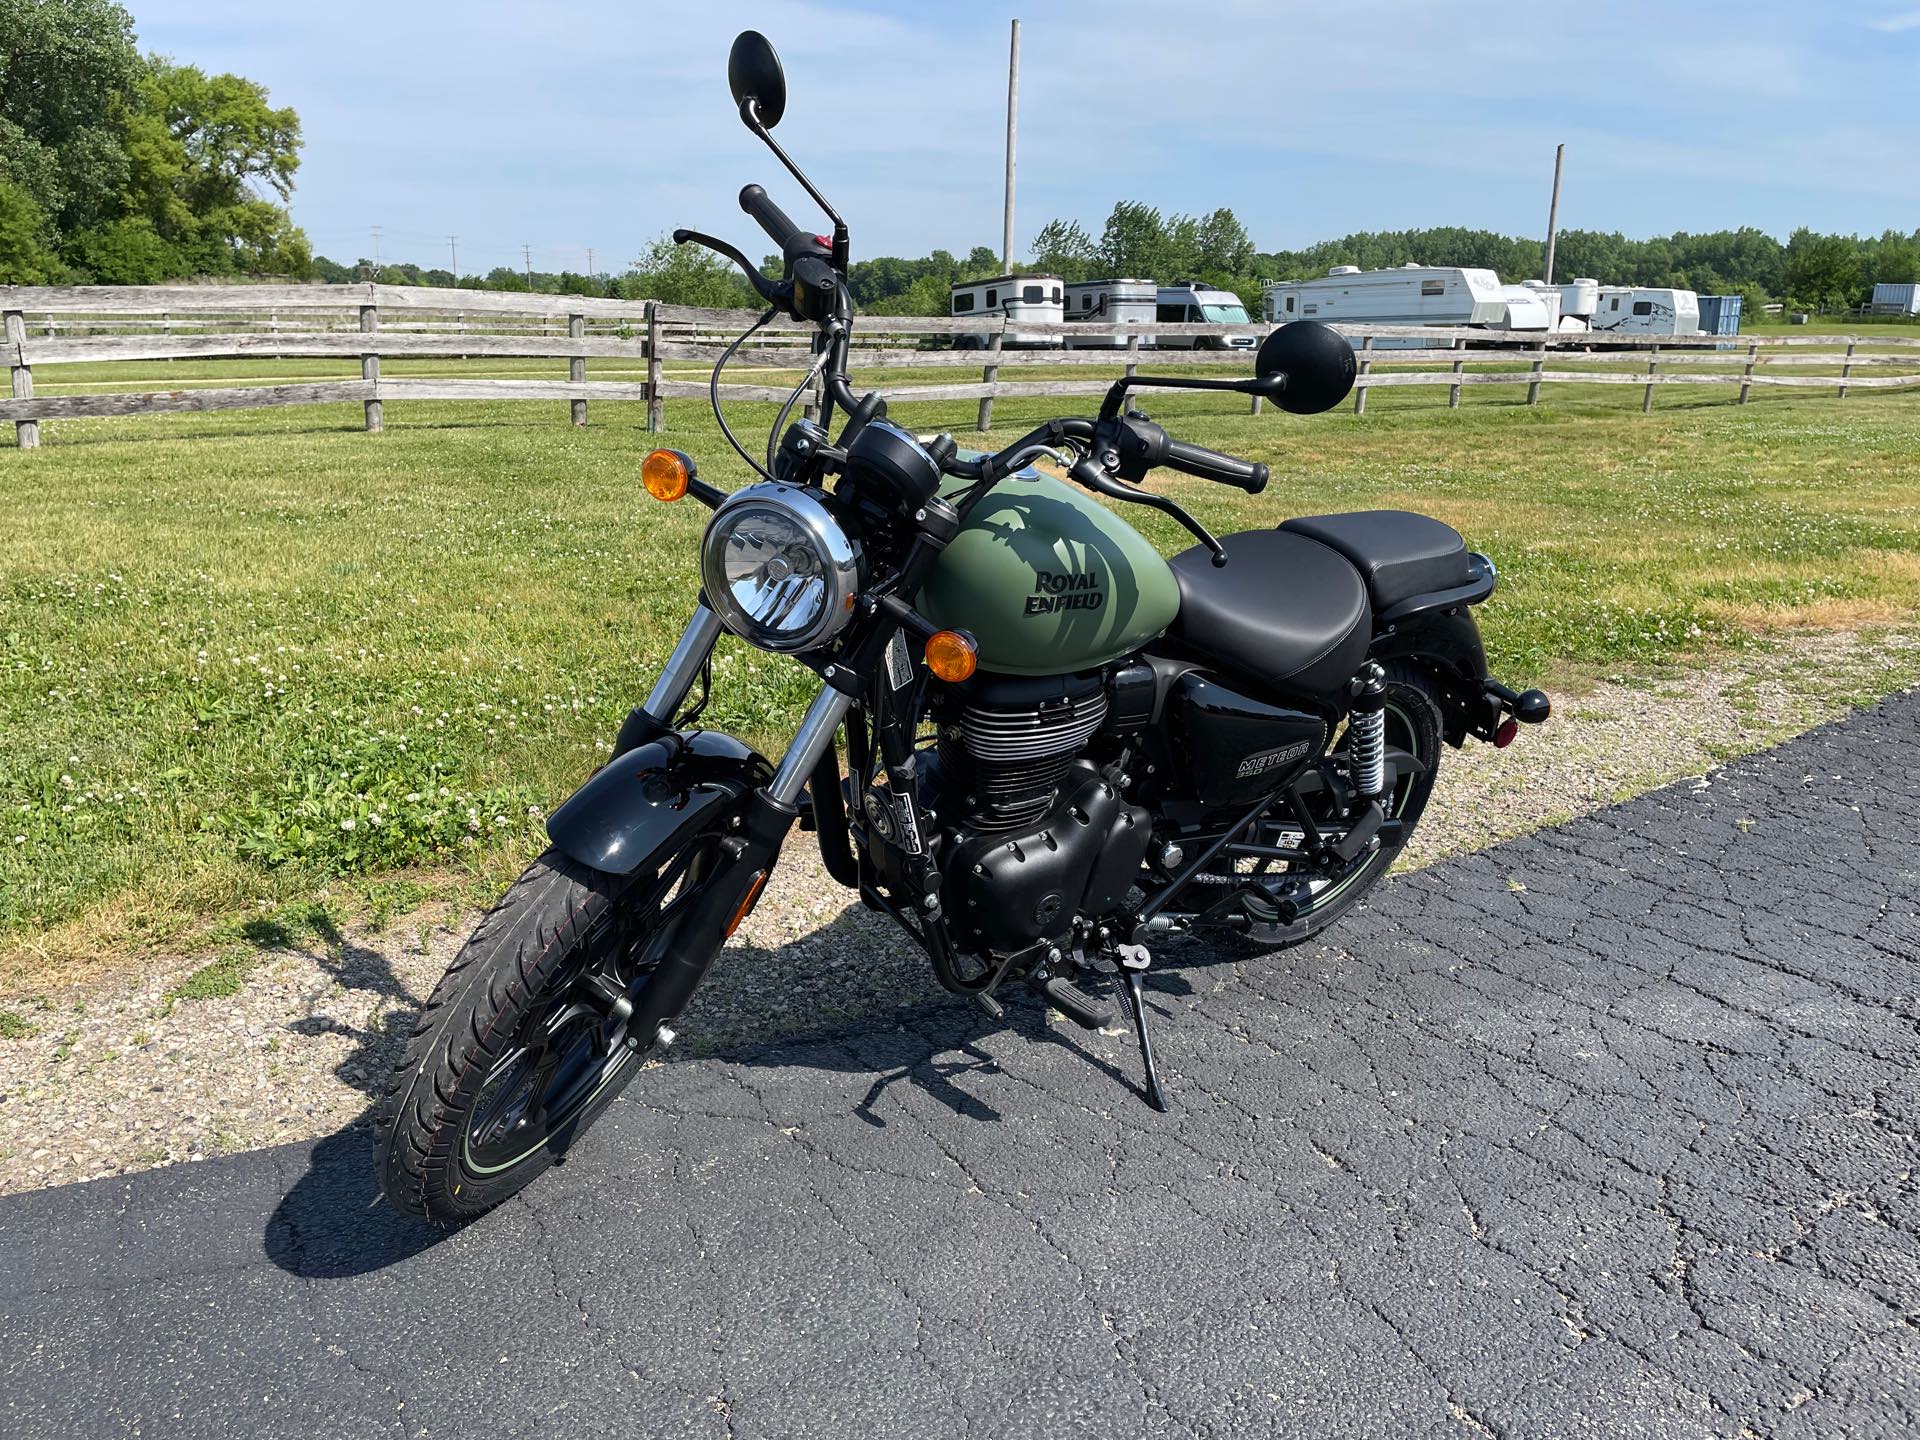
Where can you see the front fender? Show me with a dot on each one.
(643, 805)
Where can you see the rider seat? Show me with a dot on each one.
(1398, 553)
(1286, 611)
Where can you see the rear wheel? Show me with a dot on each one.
(524, 1042)
(1413, 746)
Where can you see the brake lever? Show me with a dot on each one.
(778, 293)
(1090, 473)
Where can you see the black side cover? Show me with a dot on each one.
(641, 806)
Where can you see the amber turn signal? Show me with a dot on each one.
(666, 474)
(952, 655)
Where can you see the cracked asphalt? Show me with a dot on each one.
(1605, 1132)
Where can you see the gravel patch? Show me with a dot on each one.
(111, 1078)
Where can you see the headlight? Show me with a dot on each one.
(778, 569)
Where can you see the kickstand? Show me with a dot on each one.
(1134, 961)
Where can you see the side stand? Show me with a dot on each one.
(1134, 961)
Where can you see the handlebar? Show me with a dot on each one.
(794, 242)
(1206, 464)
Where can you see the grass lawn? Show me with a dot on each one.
(251, 656)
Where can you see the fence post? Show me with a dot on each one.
(1846, 370)
(27, 431)
(1653, 364)
(1133, 356)
(655, 418)
(577, 365)
(1533, 385)
(1366, 367)
(370, 369)
(1746, 376)
(990, 375)
(1453, 390)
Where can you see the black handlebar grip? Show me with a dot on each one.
(1246, 475)
(792, 240)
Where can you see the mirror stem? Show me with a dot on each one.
(750, 116)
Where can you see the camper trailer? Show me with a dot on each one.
(1629, 310)
(1415, 295)
(1110, 302)
(1036, 299)
(1188, 302)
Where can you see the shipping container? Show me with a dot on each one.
(1720, 314)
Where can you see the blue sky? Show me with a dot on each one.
(571, 125)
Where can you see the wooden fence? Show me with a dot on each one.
(49, 327)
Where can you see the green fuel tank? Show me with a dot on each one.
(1049, 581)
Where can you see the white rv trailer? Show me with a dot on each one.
(1635, 310)
(1453, 296)
(1110, 302)
(1033, 298)
(1189, 302)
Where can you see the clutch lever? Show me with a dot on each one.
(775, 292)
(1090, 473)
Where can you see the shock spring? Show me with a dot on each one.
(1367, 727)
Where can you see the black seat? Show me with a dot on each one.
(1399, 553)
(1285, 611)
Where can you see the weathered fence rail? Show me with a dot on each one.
(51, 327)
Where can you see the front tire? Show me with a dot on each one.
(519, 1050)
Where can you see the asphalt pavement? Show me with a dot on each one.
(1605, 1132)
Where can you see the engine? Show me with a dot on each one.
(1036, 834)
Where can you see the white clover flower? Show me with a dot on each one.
(346, 824)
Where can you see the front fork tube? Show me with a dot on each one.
(688, 659)
(747, 857)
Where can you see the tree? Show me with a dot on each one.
(200, 148)
(686, 275)
(1822, 269)
(1064, 248)
(1134, 243)
(68, 69)
(24, 256)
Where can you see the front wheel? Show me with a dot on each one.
(524, 1041)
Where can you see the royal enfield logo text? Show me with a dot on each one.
(1053, 591)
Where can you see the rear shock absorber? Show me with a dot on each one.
(1367, 728)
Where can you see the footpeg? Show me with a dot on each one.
(1134, 961)
(1082, 1009)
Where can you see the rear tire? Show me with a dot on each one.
(460, 1128)
(1413, 725)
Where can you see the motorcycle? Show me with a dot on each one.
(1060, 747)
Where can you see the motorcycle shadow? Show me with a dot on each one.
(852, 996)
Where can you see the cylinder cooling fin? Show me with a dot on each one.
(1010, 739)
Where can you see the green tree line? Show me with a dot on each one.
(119, 168)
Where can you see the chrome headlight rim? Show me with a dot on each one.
(836, 553)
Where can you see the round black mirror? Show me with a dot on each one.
(1317, 361)
(753, 73)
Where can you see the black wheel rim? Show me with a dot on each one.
(571, 1044)
(1322, 890)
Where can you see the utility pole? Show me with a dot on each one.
(589, 262)
(1013, 110)
(526, 252)
(376, 254)
(1553, 211)
(453, 256)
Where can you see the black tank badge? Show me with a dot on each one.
(1054, 591)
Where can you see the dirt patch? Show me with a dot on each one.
(107, 1078)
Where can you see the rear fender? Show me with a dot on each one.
(1446, 645)
(647, 802)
